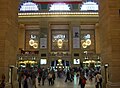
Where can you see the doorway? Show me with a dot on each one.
(60, 65)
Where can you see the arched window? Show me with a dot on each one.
(29, 6)
(59, 7)
(89, 6)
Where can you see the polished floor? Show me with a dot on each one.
(59, 83)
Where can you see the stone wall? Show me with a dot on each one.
(8, 35)
(110, 39)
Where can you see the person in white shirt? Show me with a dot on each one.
(98, 80)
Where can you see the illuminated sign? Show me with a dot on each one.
(76, 61)
(59, 6)
(33, 36)
(29, 6)
(59, 37)
(87, 36)
(89, 6)
(43, 61)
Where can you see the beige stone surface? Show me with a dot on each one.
(8, 35)
(97, 38)
(21, 36)
(110, 39)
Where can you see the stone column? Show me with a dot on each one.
(97, 38)
(21, 36)
(110, 40)
(8, 35)
(75, 50)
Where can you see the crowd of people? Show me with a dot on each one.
(27, 77)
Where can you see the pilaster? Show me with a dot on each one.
(8, 35)
(110, 40)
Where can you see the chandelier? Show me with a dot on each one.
(59, 43)
(86, 41)
(33, 43)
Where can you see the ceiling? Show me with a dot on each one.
(45, 7)
(44, 16)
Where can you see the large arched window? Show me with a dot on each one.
(29, 6)
(89, 6)
(59, 7)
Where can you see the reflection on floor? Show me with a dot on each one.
(60, 83)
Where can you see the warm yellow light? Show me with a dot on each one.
(31, 42)
(32, 62)
(84, 45)
(27, 61)
(59, 60)
(89, 61)
(60, 67)
(60, 43)
(88, 42)
(35, 45)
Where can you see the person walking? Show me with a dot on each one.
(39, 78)
(43, 76)
(50, 78)
(53, 77)
(2, 84)
(68, 76)
(33, 77)
(24, 82)
(98, 80)
(82, 81)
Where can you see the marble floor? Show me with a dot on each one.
(59, 83)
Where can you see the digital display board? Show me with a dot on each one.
(43, 61)
(76, 61)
